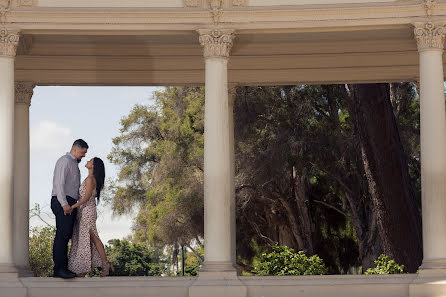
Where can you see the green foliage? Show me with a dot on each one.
(192, 263)
(134, 259)
(41, 251)
(385, 266)
(284, 261)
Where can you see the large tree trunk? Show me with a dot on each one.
(362, 215)
(385, 166)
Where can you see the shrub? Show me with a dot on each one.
(284, 261)
(134, 259)
(41, 251)
(385, 266)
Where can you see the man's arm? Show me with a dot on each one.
(60, 174)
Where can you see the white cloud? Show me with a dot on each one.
(50, 137)
(110, 227)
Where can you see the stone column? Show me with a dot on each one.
(430, 41)
(217, 153)
(9, 39)
(218, 276)
(23, 94)
(232, 93)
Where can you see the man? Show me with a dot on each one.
(66, 183)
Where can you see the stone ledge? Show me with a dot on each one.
(405, 285)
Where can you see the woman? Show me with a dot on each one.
(87, 250)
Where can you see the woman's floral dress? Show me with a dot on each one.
(84, 256)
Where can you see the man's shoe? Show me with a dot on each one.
(64, 274)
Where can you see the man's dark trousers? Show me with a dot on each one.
(64, 231)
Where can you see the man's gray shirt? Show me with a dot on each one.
(66, 179)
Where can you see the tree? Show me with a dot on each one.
(300, 172)
(386, 168)
(160, 153)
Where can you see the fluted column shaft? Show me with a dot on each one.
(8, 44)
(217, 152)
(23, 94)
(430, 40)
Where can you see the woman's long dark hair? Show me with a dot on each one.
(99, 175)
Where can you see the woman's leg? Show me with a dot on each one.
(99, 246)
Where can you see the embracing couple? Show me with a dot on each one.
(74, 206)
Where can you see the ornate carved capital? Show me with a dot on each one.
(24, 92)
(9, 39)
(429, 36)
(216, 43)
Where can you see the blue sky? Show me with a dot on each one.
(58, 116)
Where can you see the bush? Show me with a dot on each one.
(385, 266)
(134, 259)
(284, 261)
(41, 251)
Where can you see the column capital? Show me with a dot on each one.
(24, 92)
(430, 36)
(217, 43)
(9, 39)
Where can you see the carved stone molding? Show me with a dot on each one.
(192, 3)
(429, 6)
(429, 36)
(214, 6)
(4, 8)
(215, 3)
(239, 3)
(216, 43)
(25, 3)
(216, 10)
(9, 39)
(5, 3)
(24, 92)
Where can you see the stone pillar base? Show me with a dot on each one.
(10, 284)
(8, 271)
(218, 283)
(209, 266)
(429, 283)
(431, 280)
(430, 265)
(25, 271)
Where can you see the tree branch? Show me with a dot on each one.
(195, 253)
(332, 207)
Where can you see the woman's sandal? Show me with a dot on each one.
(106, 269)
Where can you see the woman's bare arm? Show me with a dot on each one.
(90, 183)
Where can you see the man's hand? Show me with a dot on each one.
(67, 210)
